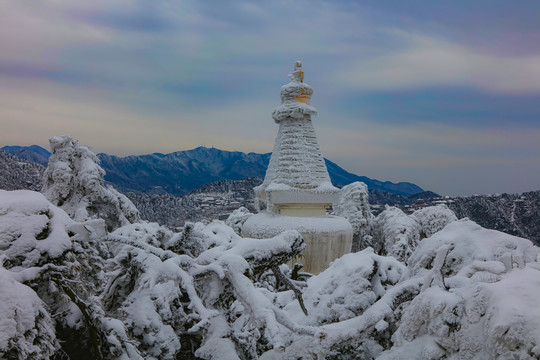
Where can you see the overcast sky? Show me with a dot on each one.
(444, 94)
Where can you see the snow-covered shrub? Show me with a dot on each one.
(360, 329)
(479, 298)
(433, 219)
(33, 232)
(353, 205)
(62, 262)
(26, 328)
(349, 286)
(395, 234)
(74, 181)
(473, 251)
(70, 289)
(472, 294)
(145, 293)
(170, 300)
(237, 219)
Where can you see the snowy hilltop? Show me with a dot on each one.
(84, 278)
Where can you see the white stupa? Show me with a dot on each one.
(297, 189)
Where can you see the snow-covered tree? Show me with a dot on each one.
(433, 219)
(353, 205)
(395, 233)
(74, 181)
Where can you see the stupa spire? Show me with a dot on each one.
(296, 173)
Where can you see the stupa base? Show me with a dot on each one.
(327, 237)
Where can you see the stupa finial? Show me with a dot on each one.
(298, 74)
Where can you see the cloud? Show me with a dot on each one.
(448, 159)
(427, 61)
(30, 117)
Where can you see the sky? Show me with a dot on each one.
(444, 94)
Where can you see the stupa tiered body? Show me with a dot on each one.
(297, 189)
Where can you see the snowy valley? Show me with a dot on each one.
(83, 277)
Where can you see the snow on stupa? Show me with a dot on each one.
(297, 181)
(297, 189)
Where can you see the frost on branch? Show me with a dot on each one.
(74, 181)
(353, 205)
(395, 234)
(433, 219)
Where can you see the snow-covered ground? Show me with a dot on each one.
(82, 277)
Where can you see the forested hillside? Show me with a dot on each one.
(18, 174)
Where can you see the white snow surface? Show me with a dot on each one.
(474, 251)
(266, 224)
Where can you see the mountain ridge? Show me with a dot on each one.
(180, 172)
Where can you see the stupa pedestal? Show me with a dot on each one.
(327, 237)
(297, 189)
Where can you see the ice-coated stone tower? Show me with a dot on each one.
(297, 189)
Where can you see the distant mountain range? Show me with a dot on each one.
(33, 153)
(180, 172)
